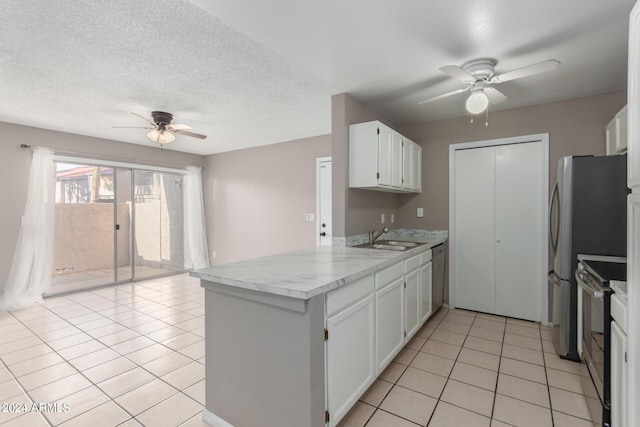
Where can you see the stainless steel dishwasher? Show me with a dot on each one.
(437, 277)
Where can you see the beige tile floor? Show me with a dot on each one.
(473, 369)
(127, 355)
(133, 355)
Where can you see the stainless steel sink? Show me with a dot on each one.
(390, 245)
(399, 243)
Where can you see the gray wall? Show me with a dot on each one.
(15, 163)
(575, 127)
(355, 211)
(256, 199)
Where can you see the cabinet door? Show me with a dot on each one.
(350, 357)
(611, 137)
(407, 164)
(425, 292)
(416, 170)
(619, 384)
(411, 165)
(385, 142)
(412, 302)
(396, 160)
(389, 323)
(621, 131)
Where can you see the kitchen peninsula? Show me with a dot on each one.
(295, 339)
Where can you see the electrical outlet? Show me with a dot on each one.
(381, 218)
(420, 213)
(310, 217)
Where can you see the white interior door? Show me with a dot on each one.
(499, 228)
(519, 230)
(474, 229)
(324, 228)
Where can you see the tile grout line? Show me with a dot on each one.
(106, 346)
(23, 391)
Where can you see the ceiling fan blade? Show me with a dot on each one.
(178, 126)
(457, 73)
(186, 133)
(494, 95)
(435, 98)
(540, 67)
(133, 127)
(145, 119)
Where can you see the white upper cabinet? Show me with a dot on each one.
(411, 166)
(617, 133)
(383, 160)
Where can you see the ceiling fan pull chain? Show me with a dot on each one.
(471, 121)
(486, 123)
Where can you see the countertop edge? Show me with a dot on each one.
(321, 289)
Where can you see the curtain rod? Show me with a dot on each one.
(110, 158)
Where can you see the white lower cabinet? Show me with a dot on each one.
(367, 324)
(619, 361)
(425, 291)
(389, 323)
(350, 357)
(619, 376)
(412, 302)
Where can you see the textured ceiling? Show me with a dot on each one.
(249, 72)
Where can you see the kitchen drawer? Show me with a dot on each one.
(389, 275)
(619, 312)
(347, 295)
(412, 264)
(425, 257)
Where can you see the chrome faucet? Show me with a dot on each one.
(373, 236)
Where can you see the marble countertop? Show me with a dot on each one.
(307, 273)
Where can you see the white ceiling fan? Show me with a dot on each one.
(479, 74)
(162, 131)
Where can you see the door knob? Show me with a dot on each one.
(323, 234)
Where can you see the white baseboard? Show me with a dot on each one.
(214, 420)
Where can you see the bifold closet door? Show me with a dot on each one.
(474, 229)
(498, 229)
(519, 232)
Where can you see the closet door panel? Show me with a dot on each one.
(474, 229)
(518, 230)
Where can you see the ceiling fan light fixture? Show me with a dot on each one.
(162, 136)
(477, 102)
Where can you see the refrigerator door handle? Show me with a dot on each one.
(552, 237)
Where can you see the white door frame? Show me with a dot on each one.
(318, 224)
(544, 256)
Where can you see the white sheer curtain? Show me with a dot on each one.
(196, 234)
(30, 274)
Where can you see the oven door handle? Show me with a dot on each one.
(596, 292)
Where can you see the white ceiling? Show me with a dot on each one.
(250, 72)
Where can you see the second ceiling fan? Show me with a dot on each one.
(479, 75)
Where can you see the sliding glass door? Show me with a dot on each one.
(115, 225)
(159, 223)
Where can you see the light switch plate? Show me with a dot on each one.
(310, 217)
(393, 218)
(420, 213)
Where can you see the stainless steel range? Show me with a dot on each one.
(594, 275)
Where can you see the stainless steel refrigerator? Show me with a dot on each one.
(587, 215)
